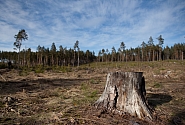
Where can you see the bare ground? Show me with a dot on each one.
(67, 98)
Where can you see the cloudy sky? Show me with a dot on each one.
(96, 24)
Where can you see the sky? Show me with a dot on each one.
(96, 24)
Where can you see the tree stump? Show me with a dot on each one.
(125, 93)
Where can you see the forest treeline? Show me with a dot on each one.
(49, 56)
(62, 56)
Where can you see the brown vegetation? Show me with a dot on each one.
(58, 97)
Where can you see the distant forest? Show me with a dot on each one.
(62, 56)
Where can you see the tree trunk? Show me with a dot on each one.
(153, 55)
(78, 59)
(182, 55)
(125, 93)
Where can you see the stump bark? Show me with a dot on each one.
(125, 93)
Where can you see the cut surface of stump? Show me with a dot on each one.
(125, 93)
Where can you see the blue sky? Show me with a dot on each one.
(96, 24)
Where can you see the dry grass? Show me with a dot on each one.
(64, 97)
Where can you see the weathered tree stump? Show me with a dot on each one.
(125, 93)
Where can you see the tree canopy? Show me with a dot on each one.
(22, 35)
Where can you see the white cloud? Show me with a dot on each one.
(98, 24)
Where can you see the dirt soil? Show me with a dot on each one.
(67, 98)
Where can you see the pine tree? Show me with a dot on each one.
(22, 35)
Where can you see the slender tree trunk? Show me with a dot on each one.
(125, 93)
(19, 58)
(153, 55)
(74, 59)
(106, 58)
(64, 61)
(126, 56)
(102, 57)
(123, 57)
(150, 55)
(142, 55)
(37, 59)
(78, 59)
(182, 55)
(57, 62)
(41, 58)
(52, 59)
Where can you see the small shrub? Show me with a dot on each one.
(157, 85)
(90, 97)
(2, 66)
(162, 69)
(39, 69)
(84, 86)
(65, 69)
(93, 94)
(24, 71)
(92, 81)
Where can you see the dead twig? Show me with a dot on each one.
(3, 78)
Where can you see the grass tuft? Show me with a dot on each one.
(157, 85)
